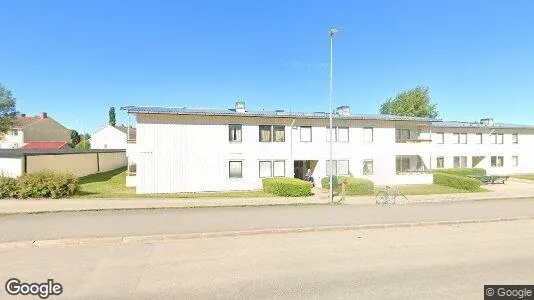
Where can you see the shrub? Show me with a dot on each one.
(46, 184)
(287, 187)
(463, 171)
(8, 187)
(456, 181)
(355, 186)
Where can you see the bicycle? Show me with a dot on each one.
(390, 195)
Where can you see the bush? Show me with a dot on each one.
(46, 184)
(463, 171)
(287, 187)
(8, 187)
(456, 181)
(355, 186)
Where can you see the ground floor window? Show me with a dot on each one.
(460, 162)
(440, 162)
(409, 164)
(340, 167)
(272, 168)
(497, 161)
(235, 169)
(368, 167)
(515, 161)
(132, 169)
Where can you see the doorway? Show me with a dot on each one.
(301, 168)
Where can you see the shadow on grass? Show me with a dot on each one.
(104, 176)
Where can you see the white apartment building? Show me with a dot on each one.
(192, 150)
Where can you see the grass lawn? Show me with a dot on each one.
(524, 176)
(429, 189)
(112, 184)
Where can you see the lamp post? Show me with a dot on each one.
(332, 32)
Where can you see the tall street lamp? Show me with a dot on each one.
(332, 32)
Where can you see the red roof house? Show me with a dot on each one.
(46, 145)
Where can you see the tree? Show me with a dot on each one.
(74, 138)
(412, 103)
(112, 119)
(7, 110)
(83, 144)
(86, 136)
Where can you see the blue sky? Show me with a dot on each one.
(75, 59)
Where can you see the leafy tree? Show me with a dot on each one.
(7, 110)
(86, 136)
(112, 117)
(412, 103)
(83, 144)
(74, 137)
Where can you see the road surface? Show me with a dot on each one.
(175, 221)
(436, 262)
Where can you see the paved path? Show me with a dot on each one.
(443, 262)
(175, 221)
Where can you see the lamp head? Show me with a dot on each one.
(333, 31)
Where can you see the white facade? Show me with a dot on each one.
(193, 153)
(11, 166)
(108, 137)
(12, 139)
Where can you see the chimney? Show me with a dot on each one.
(240, 107)
(343, 110)
(43, 115)
(23, 115)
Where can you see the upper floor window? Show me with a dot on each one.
(305, 133)
(460, 138)
(402, 134)
(479, 138)
(339, 134)
(14, 132)
(440, 138)
(497, 138)
(515, 138)
(367, 134)
(272, 133)
(235, 133)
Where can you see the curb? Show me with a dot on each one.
(150, 239)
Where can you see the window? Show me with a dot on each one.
(460, 138)
(515, 139)
(367, 167)
(460, 162)
(132, 169)
(272, 133)
(235, 169)
(403, 164)
(479, 138)
(334, 163)
(440, 138)
(14, 132)
(305, 133)
(497, 161)
(456, 138)
(343, 134)
(234, 133)
(266, 169)
(515, 161)
(334, 134)
(367, 134)
(440, 162)
(279, 168)
(402, 134)
(343, 167)
(497, 138)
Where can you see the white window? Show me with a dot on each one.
(497, 138)
(367, 134)
(334, 134)
(368, 167)
(266, 169)
(515, 138)
(479, 138)
(305, 133)
(440, 162)
(272, 133)
(343, 134)
(497, 161)
(235, 169)
(456, 138)
(334, 162)
(440, 138)
(234, 133)
(14, 132)
(279, 133)
(463, 138)
(343, 167)
(279, 168)
(265, 133)
(515, 161)
(460, 162)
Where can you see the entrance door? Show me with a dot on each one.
(301, 168)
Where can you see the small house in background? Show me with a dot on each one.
(41, 128)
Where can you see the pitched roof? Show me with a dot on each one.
(133, 131)
(25, 121)
(45, 145)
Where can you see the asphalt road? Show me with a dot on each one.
(438, 262)
(173, 221)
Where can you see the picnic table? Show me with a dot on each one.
(487, 179)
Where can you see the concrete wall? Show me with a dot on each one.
(12, 167)
(79, 164)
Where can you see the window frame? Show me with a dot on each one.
(337, 167)
(230, 126)
(338, 135)
(496, 164)
(459, 162)
(480, 138)
(230, 169)
(270, 133)
(273, 134)
(463, 138)
(372, 167)
(516, 162)
(328, 166)
(311, 133)
(515, 138)
(442, 162)
(372, 134)
(442, 134)
(270, 162)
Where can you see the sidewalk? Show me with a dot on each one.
(511, 190)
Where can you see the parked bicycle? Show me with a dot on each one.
(390, 195)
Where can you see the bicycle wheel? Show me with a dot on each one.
(381, 198)
(400, 199)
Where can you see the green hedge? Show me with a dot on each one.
(355, 186)
(287, 187)
(44, 184)
(462, 171)
(456, 181)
